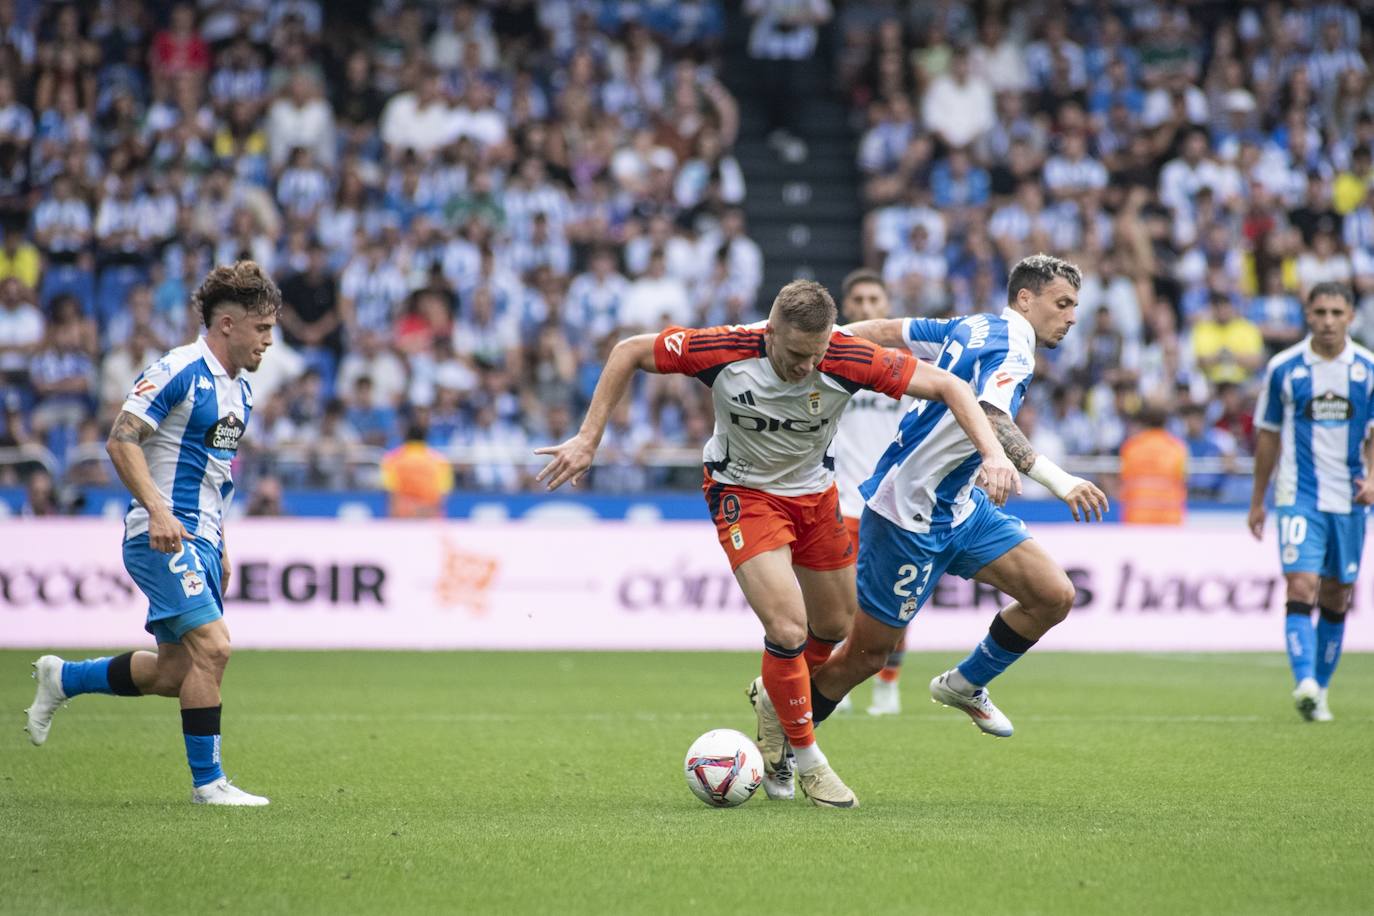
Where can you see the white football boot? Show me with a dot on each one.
(224, 792)
(1305, 697)
(772, 741)
(977, 704)
(887, 701)
(47, 671)
(1323, 712)
(825, 789)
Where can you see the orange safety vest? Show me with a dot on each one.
(1154, 479)
(418, 478)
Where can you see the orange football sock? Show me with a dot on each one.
(788, 682)
(817, 650)
(894, 662)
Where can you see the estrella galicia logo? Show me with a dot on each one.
(224, 436)
(1329, 408)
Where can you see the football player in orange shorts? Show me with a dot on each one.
(779, 387)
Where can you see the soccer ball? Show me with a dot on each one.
(723, 768)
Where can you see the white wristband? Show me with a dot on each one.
(1057, 480)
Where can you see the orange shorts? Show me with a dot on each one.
(851, 524)
(750, 522)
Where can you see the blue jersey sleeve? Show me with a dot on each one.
(925, 337)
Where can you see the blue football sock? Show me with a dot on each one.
(1330, 632)
(1300, 639)
(91, 676)
(994, 654)
(200, 728)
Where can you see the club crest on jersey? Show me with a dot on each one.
(224, 436)
(1358, 373)
(908, 610)
(813, 403)
(737, 537)
(1329, 408)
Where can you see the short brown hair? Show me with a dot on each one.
(1037, 271)
(862, 275)
(806, 305)
(241, 283)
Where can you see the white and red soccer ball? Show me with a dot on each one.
(723, 768)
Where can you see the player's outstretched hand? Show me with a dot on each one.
(1086, 501)
(999, 479)
(166, 532)
(1256, 522)
(1364, 491)
(570, 462)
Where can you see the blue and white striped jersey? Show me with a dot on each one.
(198, 414)
(1322, 410)
(924, 479)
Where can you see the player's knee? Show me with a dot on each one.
(212, 655)
(782, 631)
(1057, 600)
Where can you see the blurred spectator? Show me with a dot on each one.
(1228, 347)
(958, 105)
(781, 39)
(416, 477)
(1208, 443)
(40, 495)
(301, 119)
(266, 501)
(1153, 473)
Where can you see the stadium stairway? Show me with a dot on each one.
(805, 216)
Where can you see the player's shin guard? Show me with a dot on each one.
(109, 675)
(200, 728)
(1300, 640)
(789, 688)
(817, 650)
(998, 650)
(1330, 633)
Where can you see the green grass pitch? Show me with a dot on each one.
(552, 783)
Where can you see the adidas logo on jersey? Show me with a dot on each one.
(747, 398)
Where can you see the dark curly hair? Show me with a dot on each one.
(241, 283)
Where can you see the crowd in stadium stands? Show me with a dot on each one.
(465, 204)
(1204, 163)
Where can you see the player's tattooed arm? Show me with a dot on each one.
(1083, 497)
(125, 448)
(1014, 442)
(129, 428)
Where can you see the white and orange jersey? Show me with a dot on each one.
(771, 434)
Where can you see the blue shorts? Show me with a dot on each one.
(183, 588)
(898, 569)
(1326, 543)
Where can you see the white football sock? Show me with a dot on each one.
(809, 757)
